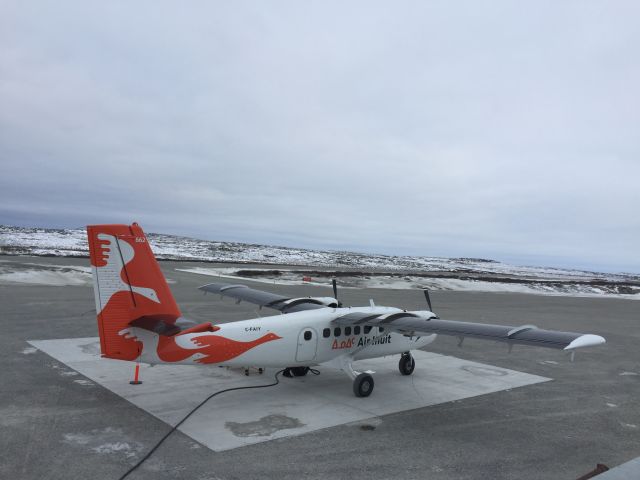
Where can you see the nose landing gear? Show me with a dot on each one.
(363, 385)
(362, 381)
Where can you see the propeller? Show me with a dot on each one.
(335, 291)
(428, 299)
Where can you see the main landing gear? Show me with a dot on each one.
(295, 371)
(407, 364)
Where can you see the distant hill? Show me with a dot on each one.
(356, 269)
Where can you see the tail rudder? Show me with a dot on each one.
(128, 285)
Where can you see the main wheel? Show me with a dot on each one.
(299, 371)
(363, 385)
(407, 364)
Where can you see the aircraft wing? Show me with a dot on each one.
(412, 323)
(266, 299)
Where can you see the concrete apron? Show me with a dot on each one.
(294, 407)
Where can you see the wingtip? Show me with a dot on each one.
(587, 340)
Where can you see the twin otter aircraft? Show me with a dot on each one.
(138, 320)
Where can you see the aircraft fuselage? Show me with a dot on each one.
(296, 339)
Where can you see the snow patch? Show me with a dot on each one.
(29, 350)
(548, 362)
(229, 273)
(86, 383)
(629, 425)
(116, 447)
(79, 438)
(107, 441)
(43, 274)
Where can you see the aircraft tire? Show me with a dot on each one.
(363, 385)
(407, 364)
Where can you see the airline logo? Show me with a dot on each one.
(362, 342)
(110, 269)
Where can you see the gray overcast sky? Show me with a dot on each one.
(507, 130)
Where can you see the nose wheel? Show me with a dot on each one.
(407, 364)
(362, 381)
(363, 385)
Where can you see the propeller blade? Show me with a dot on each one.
(426, 296)
(335, 291)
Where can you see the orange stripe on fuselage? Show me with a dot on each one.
(217, 349)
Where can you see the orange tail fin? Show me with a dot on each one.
(128, 285)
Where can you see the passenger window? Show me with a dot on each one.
(356, 330)
(337, 331)
(307, 335)
(367, 329)
(347, 330)
(381, 329)
(326, 333)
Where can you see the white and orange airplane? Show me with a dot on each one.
(139, 321)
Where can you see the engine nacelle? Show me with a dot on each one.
(324, 301)
(424, 314)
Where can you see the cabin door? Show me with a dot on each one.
(307, 345)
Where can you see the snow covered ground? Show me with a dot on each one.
(410, 281)
(354, 269)
(44, 274)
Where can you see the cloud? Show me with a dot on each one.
(506, 131)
